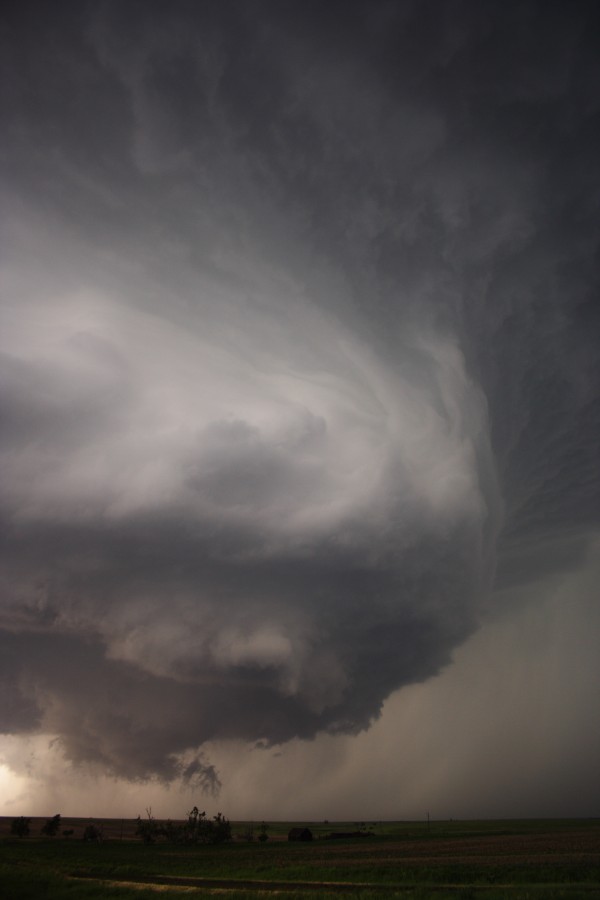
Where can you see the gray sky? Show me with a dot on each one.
(299, 391)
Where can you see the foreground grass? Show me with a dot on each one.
(483, 860)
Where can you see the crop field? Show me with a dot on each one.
(541, 859)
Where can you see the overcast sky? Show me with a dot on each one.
(299, 386)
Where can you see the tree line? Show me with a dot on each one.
(197, 829)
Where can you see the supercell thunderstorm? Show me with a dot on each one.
(297, 364)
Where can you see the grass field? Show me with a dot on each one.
(540, 859)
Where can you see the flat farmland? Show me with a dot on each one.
(552, 859)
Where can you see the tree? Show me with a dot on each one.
(220, 830)
(248, 834)
(198, 829)
(51, 826)
(20, 826)
(92, 833)
(148, 829)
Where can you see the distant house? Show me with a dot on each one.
(300, 834)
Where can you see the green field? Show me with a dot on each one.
(540, 859)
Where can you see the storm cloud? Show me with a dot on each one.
(299, 357)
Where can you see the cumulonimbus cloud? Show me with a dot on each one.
(241, 520)
(282, 395)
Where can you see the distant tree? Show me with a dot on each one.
(248, 834)
(201, 830)
(20, 826)
(51, 826)
(92, 833)
(196, 824)
(220, 830)
(148, 829)
(262, 832)
(197, 829)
